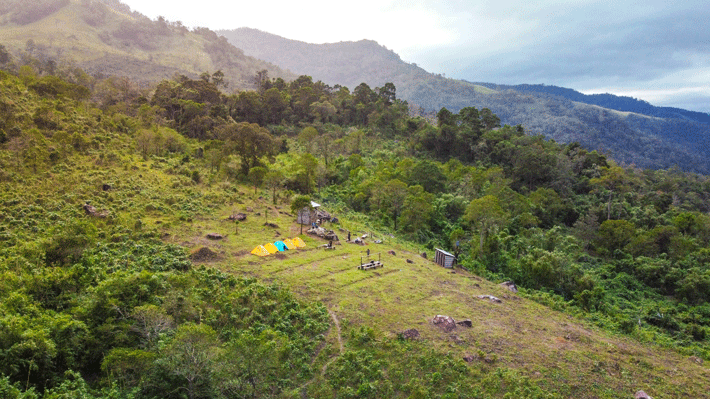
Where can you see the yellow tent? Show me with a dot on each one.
(271, 248)
(260, 251)
(290, 244)
(299, 243)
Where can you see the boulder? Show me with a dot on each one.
(410, 334)
(510, 286)
(391, 253)
(272, 225)
(465, 323)
(410, 261)
(446, 323)
(91, 211)
(642, 395)
(469, 358)
(239, 217)
(215, 236)
(424, 255)
(490, 298)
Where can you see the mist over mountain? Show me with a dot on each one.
(630, 130)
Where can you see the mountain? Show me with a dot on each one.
(631, 131)
(606, 100)
(107, 38)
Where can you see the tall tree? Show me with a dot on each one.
(485, 214)
(249, 141)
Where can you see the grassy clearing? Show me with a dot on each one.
(567, 355)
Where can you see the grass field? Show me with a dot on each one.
(578, 359)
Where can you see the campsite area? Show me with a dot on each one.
(507, 330)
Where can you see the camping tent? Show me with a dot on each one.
(281, 246)
(290, 244)
(271, 248)
(299, 243)
(260, 251)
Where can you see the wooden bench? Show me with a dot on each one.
(371, 265)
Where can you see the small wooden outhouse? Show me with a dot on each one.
(444, 259)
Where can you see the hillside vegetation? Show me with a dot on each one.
(111, 288)
(106, 38)
(649, 137)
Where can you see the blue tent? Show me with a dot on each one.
(281, 246)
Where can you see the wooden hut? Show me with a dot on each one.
(444, 259)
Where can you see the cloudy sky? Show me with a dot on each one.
(658, 51)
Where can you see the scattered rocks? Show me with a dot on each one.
(642, 395)
(446, 323)
(491, 298)
(465, 323)
(272, 225)
(391, 253)
(510, 286)
(250, 209)
(323, 233)
(214, 236)
(696, 360)
(410, 261)
(410, 334)
(469, 358)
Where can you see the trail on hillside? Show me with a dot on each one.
(337, 328)
(325, 366)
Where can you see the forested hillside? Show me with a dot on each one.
(106, 38)
(654, 138)
(110, 287)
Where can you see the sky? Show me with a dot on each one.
(657, 51)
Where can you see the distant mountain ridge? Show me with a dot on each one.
(629, 130)
(606, 100)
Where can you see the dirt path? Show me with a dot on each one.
(337, 327)
(325, 366)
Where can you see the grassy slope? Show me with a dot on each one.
(69, 37)
(575, 358)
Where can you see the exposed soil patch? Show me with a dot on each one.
(280, 256)
(204, 254)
